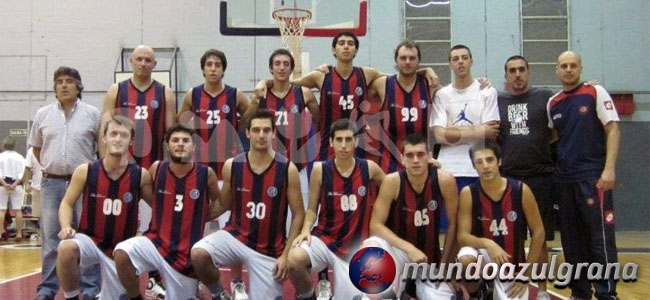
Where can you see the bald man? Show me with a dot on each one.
(584, 120)
(147, 102)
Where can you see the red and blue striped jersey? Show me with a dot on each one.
(345, 207)
(147, 111)
(415, 216)
(179, 213)
(339, 98)
(110, 207)
(502, 221)
(294, 130)
(404, 113)
(216, 123)
(259, 205)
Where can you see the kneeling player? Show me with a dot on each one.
(494, 214)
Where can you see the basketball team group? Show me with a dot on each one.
(300, 184)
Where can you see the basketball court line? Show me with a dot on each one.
(37, 271)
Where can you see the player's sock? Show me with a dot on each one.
(310, 295)
(323, 275)
(215, 288)
(71, 294)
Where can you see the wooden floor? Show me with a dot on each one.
(24, 261)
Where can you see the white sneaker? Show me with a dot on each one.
(238, 290)
(324, 290)
(543, 295)
(155, 290)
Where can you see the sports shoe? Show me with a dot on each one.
(155, 290)
(238, 290)
(543, 295)
(324, 290)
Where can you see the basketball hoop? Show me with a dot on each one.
(292, 23)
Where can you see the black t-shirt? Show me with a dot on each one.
(525, 136)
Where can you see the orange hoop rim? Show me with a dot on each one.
(277, 14)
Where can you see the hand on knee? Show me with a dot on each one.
(297, 259)
(68, 251)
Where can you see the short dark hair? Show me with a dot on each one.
(72, 72)
(178, 128)
(343, 124)
(409, 44)
(460, 46)
(262, 114)
(414, 139)
(514, 57)
(282, 51)
(335, 40)
(121, 120)
(214, 52)
(485, 145)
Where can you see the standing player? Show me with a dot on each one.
(148, 103)
(524, 139)
(463, 113)
(213, 107)
(260, 187)
(405, 100)
(586, 123)
(494, 215)
(295, 108)
(342, 187)
(110, 188)
(405, 219)
(183, 192)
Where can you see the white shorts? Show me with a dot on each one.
(15, 196)
(145, 258)
(425, 289)
(89, 256)
(226, 250)
(322, 257)
(500, 287)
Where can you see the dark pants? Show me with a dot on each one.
(542, 188)
(588, 234)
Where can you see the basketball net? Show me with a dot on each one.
(292, 23)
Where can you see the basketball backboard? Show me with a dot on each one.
(329, 17)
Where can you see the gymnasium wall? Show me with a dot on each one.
(37, 36)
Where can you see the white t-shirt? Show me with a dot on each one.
(37, 170)
(12, 164)
(467, 107)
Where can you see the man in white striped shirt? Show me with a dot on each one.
(63, 135)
